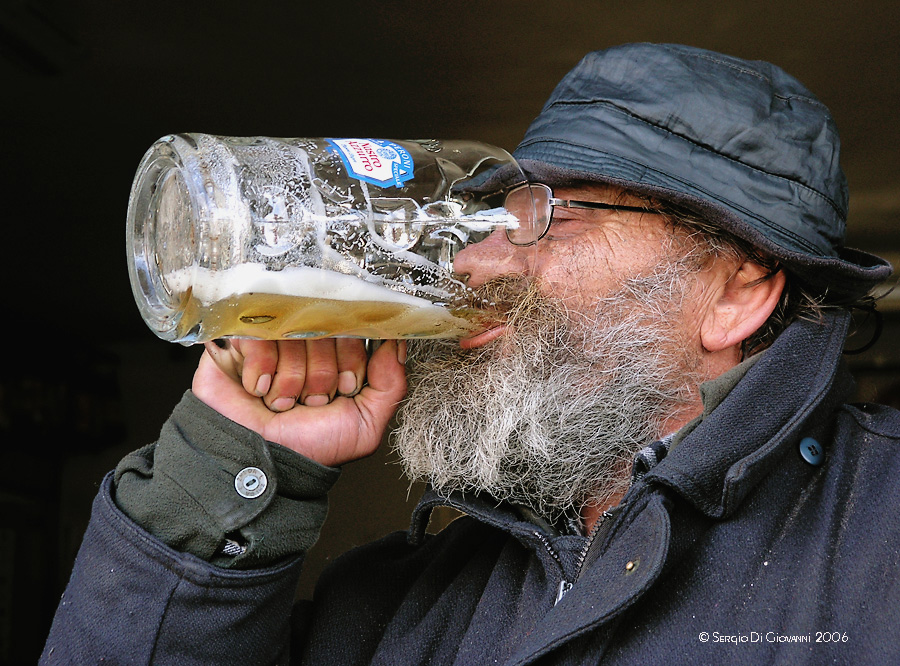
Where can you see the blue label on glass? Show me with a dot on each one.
(382, 163)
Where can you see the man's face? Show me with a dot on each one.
(594, 358)
(585, 255)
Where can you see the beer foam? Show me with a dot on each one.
(210, 286)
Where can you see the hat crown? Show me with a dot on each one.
(751, 112)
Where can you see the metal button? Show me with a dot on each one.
(250, 482)
(811, 451)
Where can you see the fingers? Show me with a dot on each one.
(351, 365)
(288, 376)
(310, 372)
(288, 372)
(321, 378)
(386, 376)
(226, 357)
(260, 361)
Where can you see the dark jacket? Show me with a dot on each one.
(734, 549)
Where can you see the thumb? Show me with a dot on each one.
(386, 376)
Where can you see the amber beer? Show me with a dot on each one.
(251, 302)
(279, 317)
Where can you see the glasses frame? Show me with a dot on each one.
(553, 202)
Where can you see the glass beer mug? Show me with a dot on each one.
(272, 238)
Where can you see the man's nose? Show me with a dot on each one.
(491, 258)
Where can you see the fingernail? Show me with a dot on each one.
(347, 383)
(263, 384)
(401, 352)
(317, 400)
(282, 404)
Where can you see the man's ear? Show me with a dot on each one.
(742, 306)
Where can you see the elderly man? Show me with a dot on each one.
(650, 445)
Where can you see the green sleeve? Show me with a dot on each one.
(182, 490)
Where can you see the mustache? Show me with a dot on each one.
(503, 294)
(517, 300)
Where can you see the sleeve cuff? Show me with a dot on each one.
(182, 489)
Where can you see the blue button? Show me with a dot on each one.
(811, 451)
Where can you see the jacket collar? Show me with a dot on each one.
(785, 396)
(482, 507)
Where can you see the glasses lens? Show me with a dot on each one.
(530, 204)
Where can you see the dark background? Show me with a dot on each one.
(87, 86)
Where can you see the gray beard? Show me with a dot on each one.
(551, 415)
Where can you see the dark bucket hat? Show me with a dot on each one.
(741, 143)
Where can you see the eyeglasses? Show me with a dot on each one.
(532, 204)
